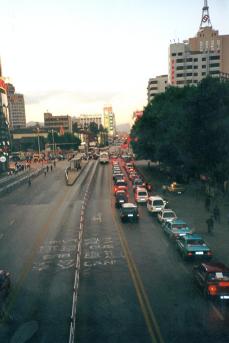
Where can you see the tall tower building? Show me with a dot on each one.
(16, 108)
(205, 54)
(109, 121)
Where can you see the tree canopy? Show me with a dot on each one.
(187, 129)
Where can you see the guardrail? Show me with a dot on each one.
(13, 185)
(78, 257)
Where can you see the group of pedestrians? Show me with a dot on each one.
(46, 170)
(214, 216)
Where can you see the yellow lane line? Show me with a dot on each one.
(148, 314)
(32, 255)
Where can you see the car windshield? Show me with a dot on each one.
(158, 203)
(196, 242)
(129, 210)
(142, 193)
(179, 226)
(168, 215)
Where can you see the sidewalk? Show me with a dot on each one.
(190, 206)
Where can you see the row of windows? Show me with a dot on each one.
(187, 74)
(195, 59)
(212, 65)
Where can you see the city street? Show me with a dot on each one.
(134, 286)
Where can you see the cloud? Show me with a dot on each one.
(71, 96)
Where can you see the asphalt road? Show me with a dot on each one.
(38, 239)
(134, 287)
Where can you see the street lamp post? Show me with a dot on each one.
(52, 142)
(38, 141)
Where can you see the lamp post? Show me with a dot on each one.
(38, 141)
(53, 142)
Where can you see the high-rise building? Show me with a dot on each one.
(4, 126)
(205, 54)
(156, 85)
(109, 121)
(58, 123)
(16, 108)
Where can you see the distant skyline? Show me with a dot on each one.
(75, 56)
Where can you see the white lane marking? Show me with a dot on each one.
(217, 312)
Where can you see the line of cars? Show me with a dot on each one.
(211, 277)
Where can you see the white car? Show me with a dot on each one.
(141, 195)
(155, 204)
(166, 215)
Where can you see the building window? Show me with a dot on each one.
(195, 74)
(201, 45)
(214, 57)
(214, 72)
(195, 60)
(206, 45)
(189, 67)
(214, 65)
(212, 44)
(189, 59)
(189, 74)
(179, 75)
(204, 73)
(180, 60)
(218, 43)
(180, 53)
(203, 58)
(204, 66)
(180, 82)
(179, 68)
(195, 67)
(174, 54)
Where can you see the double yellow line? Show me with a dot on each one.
(147, 311)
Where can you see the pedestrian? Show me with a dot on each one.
(29, 182)
(208, 203)
(210, 224)
(216, 213)
(47, 168)
(44, 172)
(148, 187)
(51, 167)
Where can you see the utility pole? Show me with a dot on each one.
(38, 141)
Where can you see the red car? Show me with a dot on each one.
(213, 279)
(120, 185)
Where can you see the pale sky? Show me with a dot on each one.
(75, 56)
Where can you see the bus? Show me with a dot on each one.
(103, 157)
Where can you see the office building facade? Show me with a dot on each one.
(109, 121)
(156, 86)
(84, 120)
(59, 124)
(206, 54)
(16, 108)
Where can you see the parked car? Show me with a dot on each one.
(166, 215)
(193, 246)
(129, 212)
(176, 228)
(155, 204)
(176, 188)
(213, 279)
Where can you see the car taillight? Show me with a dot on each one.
(224, 284)
(189, 253)
(212, 289)
(209, 253)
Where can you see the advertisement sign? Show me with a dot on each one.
(3, 85)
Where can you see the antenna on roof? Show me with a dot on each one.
(205, 20)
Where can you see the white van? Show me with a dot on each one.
(155, 204)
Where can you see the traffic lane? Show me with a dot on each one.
(180, 309)
(43, 280)
(107, 310)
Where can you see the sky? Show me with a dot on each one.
(75, 56)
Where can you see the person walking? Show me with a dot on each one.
(51, 167)
(208, 203)
(216, 213)
(29, 182)
(45, 172)
(210, 224)
(47, 168)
